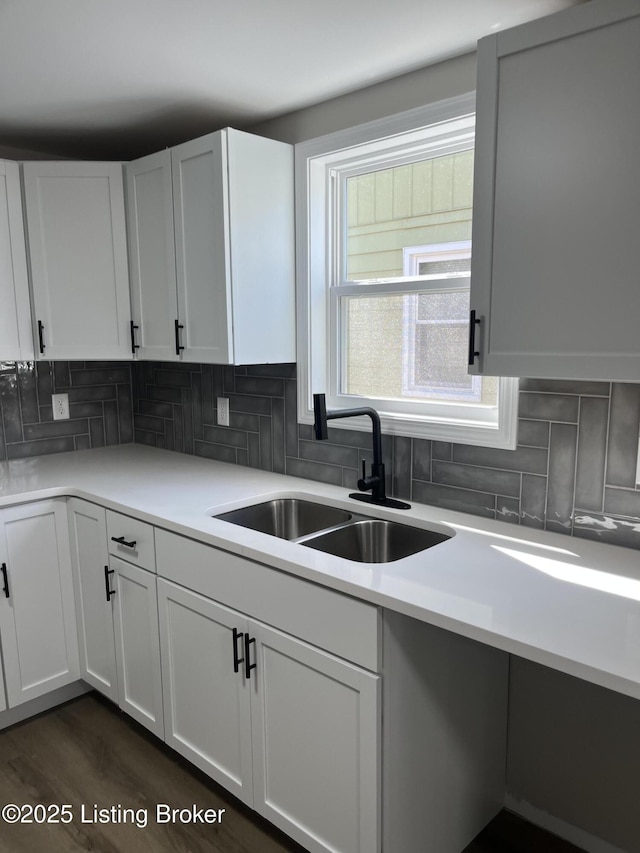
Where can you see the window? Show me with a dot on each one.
(384, 251)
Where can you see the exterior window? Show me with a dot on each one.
(384, 278)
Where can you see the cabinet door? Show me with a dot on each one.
(3, 700)
(261, 227)
(316, 744)
(37, 615)
(556, 254)
(200, 198)
(16, 341)
(138, 645)
(78, 251)
(152, 257)
(206, 703)
(89, 559)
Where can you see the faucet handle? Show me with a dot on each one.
(362, 483)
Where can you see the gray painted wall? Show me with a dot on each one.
(573, 756)
(447, 79)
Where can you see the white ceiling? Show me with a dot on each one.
(123, 77)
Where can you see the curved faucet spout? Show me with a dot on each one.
(374, 482)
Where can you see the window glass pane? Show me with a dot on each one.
(446, 265)
(410, 346)
(437, 358)
(437, 307)
(417, 204)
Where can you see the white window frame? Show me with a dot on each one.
(318, 161)
(412, 257)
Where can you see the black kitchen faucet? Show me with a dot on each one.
(374, 482)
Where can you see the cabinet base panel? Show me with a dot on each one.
(43, 703)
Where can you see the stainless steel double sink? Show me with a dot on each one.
(335, 531)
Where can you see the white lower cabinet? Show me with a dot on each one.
(273, 687)
(3, 698)
(117, 620)
(37, 616)
(288, 728)
(315, 744)
(207, 703)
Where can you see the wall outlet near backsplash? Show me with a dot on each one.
(222, 411)
(60, 405)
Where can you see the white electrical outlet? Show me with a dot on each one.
(223, 411)
(60, 403)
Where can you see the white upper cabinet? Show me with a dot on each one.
(78, 251)
(154, 305)
(212, 250)
(16, 339)
(555, 275)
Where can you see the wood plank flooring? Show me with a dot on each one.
(88, 753)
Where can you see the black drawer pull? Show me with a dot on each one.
(134, 345)
(178, 326)
(236, 660)
(122, 541)
(247, 655)
(107, 585)
(5, 579)
(41, 336)
(473, 322)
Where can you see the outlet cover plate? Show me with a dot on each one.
(222, 405)
(60, 403)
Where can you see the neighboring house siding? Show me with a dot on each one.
(426, 202)
(412, 205)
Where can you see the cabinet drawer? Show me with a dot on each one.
(132, 540)
(323, 617)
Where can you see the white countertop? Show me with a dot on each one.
(571, 604)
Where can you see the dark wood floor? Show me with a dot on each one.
(86, 752)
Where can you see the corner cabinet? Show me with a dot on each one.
(37, 615)
(211, 242)
(117, 610)
(16, 339)
(554, 275)
(78, 251)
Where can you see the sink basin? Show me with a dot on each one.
(287, 518)
(375, 541)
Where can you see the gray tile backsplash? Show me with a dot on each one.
(574, 439)
(100, 406)
(573, 472)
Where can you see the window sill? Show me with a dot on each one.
(477, 433)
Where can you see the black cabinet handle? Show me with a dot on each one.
(236, 660)
(41, 336)
(107, 585)
(5, 580)
(122, 541)
(178, 326)
(473, 322)
(247, 655)
(134, 345)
